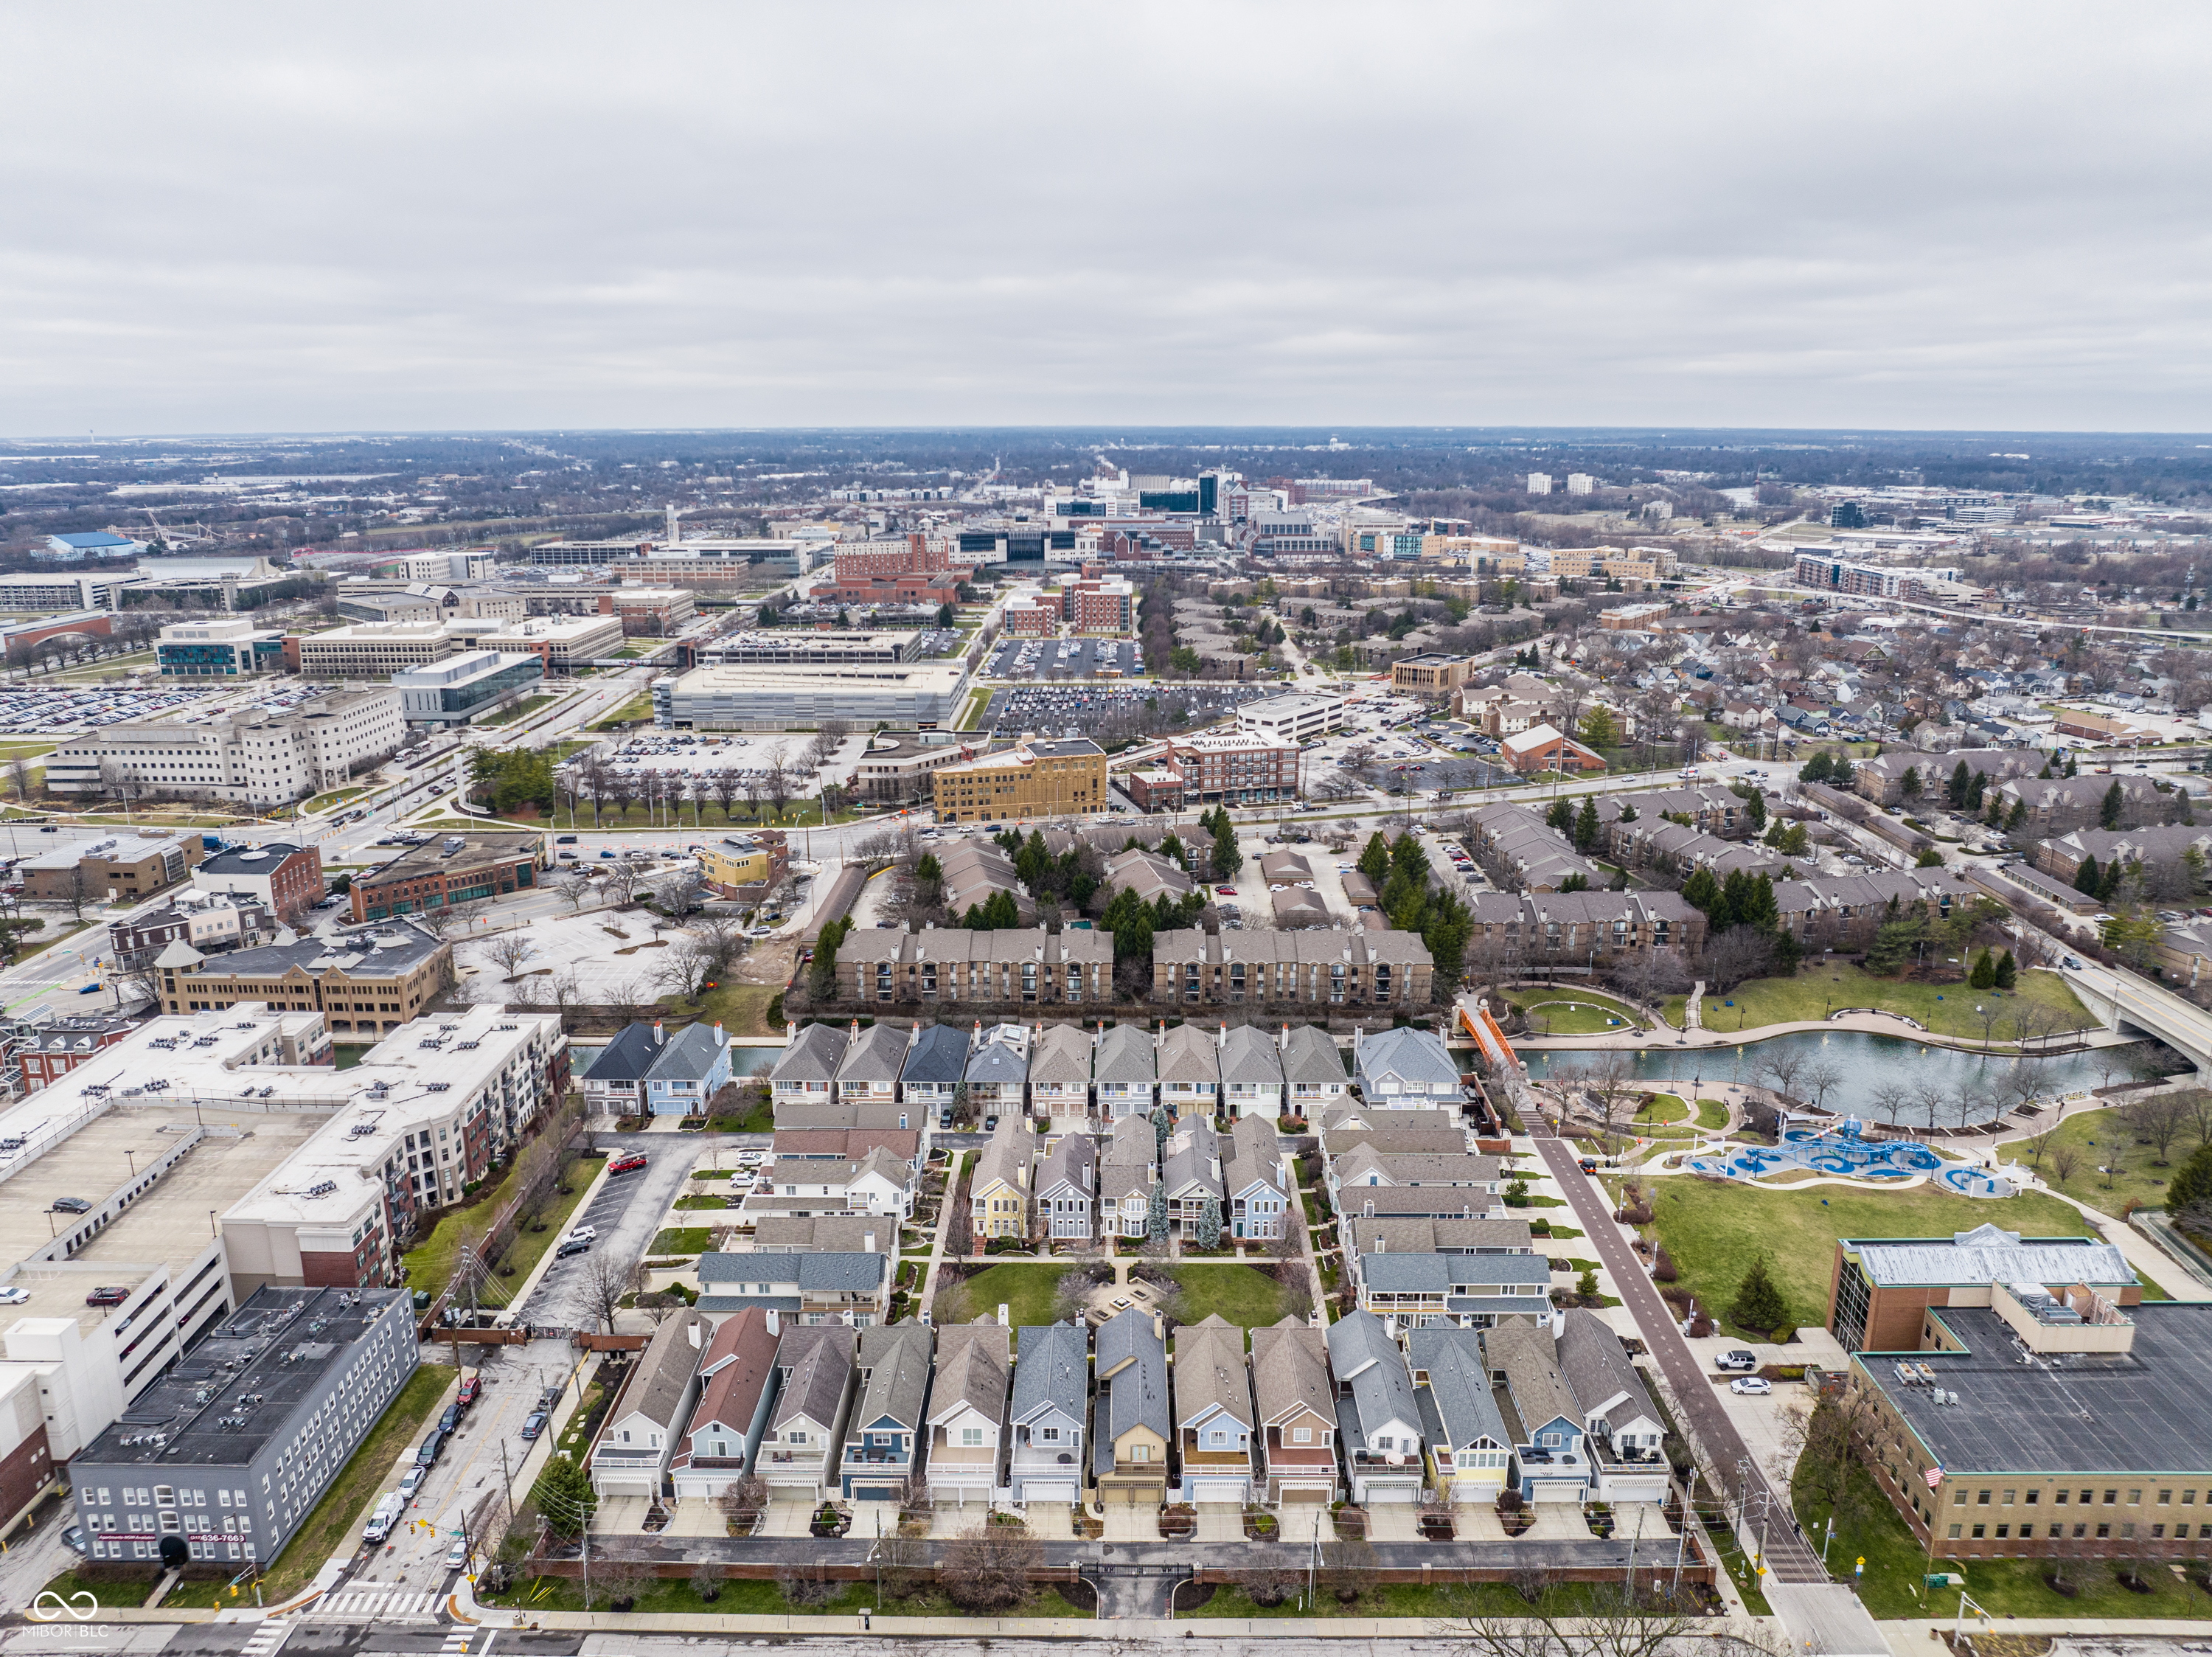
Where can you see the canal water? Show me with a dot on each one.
(1882, 1078)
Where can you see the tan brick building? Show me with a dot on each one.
(1431, 675)
(127, 865)
(1357, 968)
(1031, 779)
(1025, 964)
(366, 984)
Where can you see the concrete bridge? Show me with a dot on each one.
(2130, 1005)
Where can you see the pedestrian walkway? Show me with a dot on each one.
(1693, 1009)
(265, 1640)
(376, 1602)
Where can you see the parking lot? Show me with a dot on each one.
(1082, 707)
(702, 755)
(1074, 658)
(62, 709)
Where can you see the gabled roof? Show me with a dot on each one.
(688, 1056)
(1249, 1056)
(1052, 1370)
(879, 1054)
(1408, 1056)
(1309, 1055)
(736, 1366)
(1130, 1154)
(1125, 1055)
(997, 1064)
(1289, 1371)
(1365, 1358)
(1209, 1372)
(1005, 1160)
(894, 1358)
(1452, 1384)
(1073, 1162)
(663, 1371)
(1192, 1159)
(1597, 1367)
(1063, 1054)
(1187, 1054)
(1132, 1385)
(939, 1054)
(813, 1054)
(972, 1371)
(1528, 1360)
(1252, 1155)
(627, 1058)
(820, 1359)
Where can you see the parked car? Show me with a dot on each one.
(571, 1247)
(411, 1480)
(583, 1234)
(1754, 1385)
(470, 1389)
(73, 1538)
(450, 1419)
(72, 1205)
(427, 1452)
(457, 1556)
(12, 1295)
(630, 1164)
(107, 1297)
(534, 1425)
(1739, 1359)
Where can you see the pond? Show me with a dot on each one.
(1882, 1078)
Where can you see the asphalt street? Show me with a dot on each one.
(626, 1210)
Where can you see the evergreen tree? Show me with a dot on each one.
(1160, 1126)
(1586, 824)
(1560, 815)
(1156, 1214)
(1227, 859)
(1760, 912)
(1909, 784)
(2193, 1185)
(1627, 811)
(1954, 791)
(1701, 891)
(2017, 819)
(973, 920)
(2108, 815)
(822, 976)
(1407, 858)
(2108, 886)
(2085, 878)
(564, 1496)
(929, 868)
(1173, 849)
(2044, 775)
(1842, 775)
(1754, 808)
(1375, 859)
(1575, 883)
(1928, 858)
(1984, 973)
(1976, 789)
(1001, 913)
(1209, 1223)
(2008, 972)
(1031, 862)
(2072, 769)
(1758, 1304)
(1817, 769)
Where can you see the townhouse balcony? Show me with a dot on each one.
(1385, 1461)
(606, 1458)
(856, 1456)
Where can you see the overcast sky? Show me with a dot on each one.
(221, 217)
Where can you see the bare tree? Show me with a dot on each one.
(1784, 1068)
(605, 1282)
(2065, 1163)
(682, 892)
(19, 778)
(508, 951)
(622, 881)
(2157, 1119)
(988, 1570)
(1822, 1077)
(744, 1503)
(574, 886)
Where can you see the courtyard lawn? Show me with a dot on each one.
(1572, 1013)
(681, 1239)
(1241, 1294)
(1896, 1562)
(1712, 1115)
(1024, 1288)
(742, 1008)
(529, 1246)
(2097, 1140)
(1714, 1229)
(1821, 989)
(430, 1263)
(1664, 1110)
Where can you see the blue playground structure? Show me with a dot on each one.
(1842, 1150)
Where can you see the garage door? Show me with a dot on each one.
(1214, 1490)
(878, 1493)
(1038, 1491)
(1391, 1493)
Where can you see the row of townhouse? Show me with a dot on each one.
(646, 1071)
(1068, 1187)
(1583, 928)
(911, 1078)
(1341, 967)
(1048, 1415)
(1028, 964)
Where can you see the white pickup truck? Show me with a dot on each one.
(386, 1516)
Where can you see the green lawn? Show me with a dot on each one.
(1572, 1013)
(430, 1263)
(1664, 1110)
(1713, 1231)
(529, 1246)
(1711, 1114)
(638, 707)
(1895, 1563)
(702, 1200)
(742, 1008)
(1242, 1295)
(681, 1239)
(1818, 989)
(2094, 1137)
(759, 1598)
(1025, 1288)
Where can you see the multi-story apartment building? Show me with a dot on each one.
(211, 922)
(47, 1052)
(461, 867)
(1105, 607)
(231, 1453)
(1234, 768)
(267, 761)
(1335, 967)
(1037, 778)
(1584, 928)
(951, 964)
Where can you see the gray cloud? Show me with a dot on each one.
(233, 218)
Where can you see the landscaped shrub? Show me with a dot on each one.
(1662, 1268)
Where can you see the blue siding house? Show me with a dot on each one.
(685, 1073)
